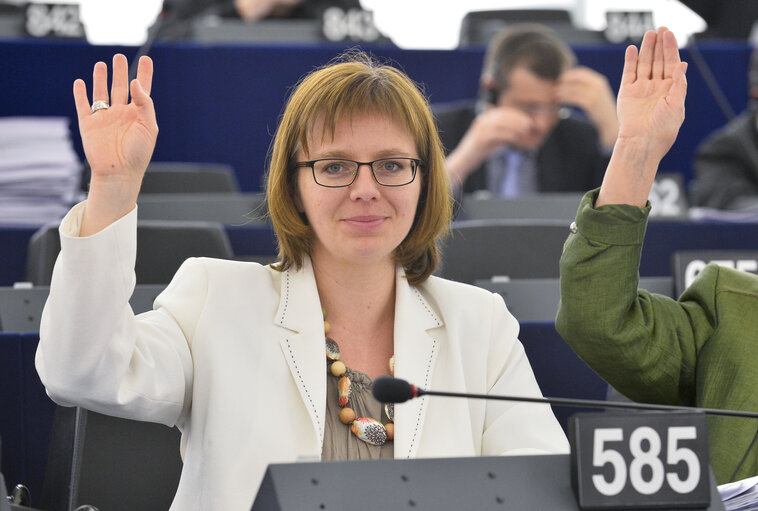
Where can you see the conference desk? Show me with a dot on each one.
(27, 412)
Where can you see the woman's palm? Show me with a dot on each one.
(651, 98)
(118, 141)
(647, 107)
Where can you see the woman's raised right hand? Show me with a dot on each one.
(650, 112)
(118, 141)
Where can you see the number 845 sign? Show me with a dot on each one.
(644, 460)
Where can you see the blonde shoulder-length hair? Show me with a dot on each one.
(355, 83)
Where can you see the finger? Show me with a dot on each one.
(512, 135)
(579, 74)
(142, 100)
(629, 74)
(567, 76)
(645, 58)
(119, 87)
(145, 73)
(657, 72)
(566, 97)
(671, 58)
(100, 82)
(678, 90)
(520, 127)
(512, 117)
(570, 82)
(570, 91)
(80, 99)
(507, 119)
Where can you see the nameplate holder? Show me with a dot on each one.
(60, 20)
(647, 460)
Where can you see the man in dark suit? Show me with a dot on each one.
(726, 163)
(519, 138)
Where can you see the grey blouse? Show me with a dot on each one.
(339, 442)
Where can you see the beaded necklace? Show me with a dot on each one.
(367, 429)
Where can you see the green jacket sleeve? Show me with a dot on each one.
(645, 345)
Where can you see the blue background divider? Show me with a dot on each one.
(221, 103)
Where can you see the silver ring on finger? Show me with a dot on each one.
(99, 105)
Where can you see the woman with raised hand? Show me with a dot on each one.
(700, 350)
(261, 364)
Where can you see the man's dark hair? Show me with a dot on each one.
(531, 46)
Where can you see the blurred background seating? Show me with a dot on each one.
(189, 177)
(225, 208)
(21, 307)
(545, 206)
(89, 451)
(668, 200)
(537, 299)
(162, 246)
(518, 249)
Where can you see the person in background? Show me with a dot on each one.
(314, 20)
(518, 138)
(726, 163)
(256, 10)
(700, 350)
(261, 364)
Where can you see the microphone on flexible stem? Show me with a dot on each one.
(387, 389)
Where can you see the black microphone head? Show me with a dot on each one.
(387, 389)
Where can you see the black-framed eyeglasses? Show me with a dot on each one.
(338, 173)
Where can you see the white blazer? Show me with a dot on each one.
(233, 354)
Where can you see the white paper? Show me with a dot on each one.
(40, 172)
(740, 495)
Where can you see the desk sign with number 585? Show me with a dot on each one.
(644, 460)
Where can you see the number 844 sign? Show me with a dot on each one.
(645, 460)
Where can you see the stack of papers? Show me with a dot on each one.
(740, 495)
(40, 172)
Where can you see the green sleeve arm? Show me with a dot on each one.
(645, 345)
